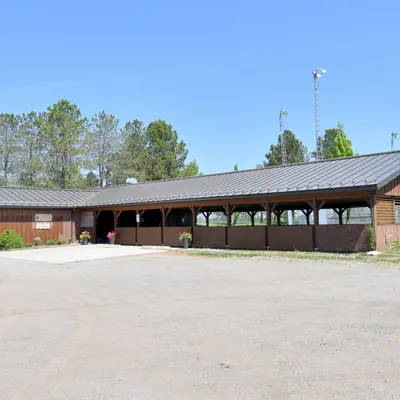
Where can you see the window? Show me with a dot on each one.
(87, 220)
(397, 212)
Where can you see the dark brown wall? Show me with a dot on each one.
(290, 238)
(23, 222)
(171, 235)
(385, 235)
(210, 237)
(392, 188)
(246, 237)
(149, 236)
(342, 238)
(125, 236)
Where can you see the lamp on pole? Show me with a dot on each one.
(282, 114)
(394, 136)
(317, 74)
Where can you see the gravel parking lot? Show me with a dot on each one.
(163, 326)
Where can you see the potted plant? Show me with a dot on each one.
(185, 238)
(84, 236)
(111, 237)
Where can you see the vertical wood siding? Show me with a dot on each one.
(22, 221)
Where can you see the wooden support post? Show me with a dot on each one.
(228, 224)
(252, 214)
(206, 215)
(372, 206)
(115, 218)
(340, 212)
(266, 207)
(307, 214)
(278, 214)
(97, 214)
(194, 218)
(316, 222)
(163, 225)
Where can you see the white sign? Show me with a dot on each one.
(43, 225)
(87, 220)
(43, 217)
(138, 218)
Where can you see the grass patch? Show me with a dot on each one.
(385, 257)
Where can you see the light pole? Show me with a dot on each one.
(282, 114)
(317, 74)
(394, 136)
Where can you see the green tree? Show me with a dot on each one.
(191, 169)
(32, 151)
(296, 151)
(66, 137)
(105, 143)
(90, 181)
(9, 146)
(335, 143)
(236, 167)
(165, 155)
(129, 161)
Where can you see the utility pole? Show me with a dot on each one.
(317, 74)
(282, 114)
(394, 136)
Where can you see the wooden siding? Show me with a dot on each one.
(23, 222)
(384, 210)
(171, 235)
(290, 238)
(210, 237)
(385, 235)
(247, 237)
(125, 236)
(149, 236)
(342, 238)
(392, 188)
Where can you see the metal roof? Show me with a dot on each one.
(40, 197)
(367, 171)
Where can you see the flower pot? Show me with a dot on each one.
(85, 241)
(185, 243)
(111, 240)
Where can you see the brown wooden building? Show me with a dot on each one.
(153, 213)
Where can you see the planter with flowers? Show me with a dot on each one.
(185, 238)
(84, 236)
(111, 237)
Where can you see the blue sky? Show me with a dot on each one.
(218, 71)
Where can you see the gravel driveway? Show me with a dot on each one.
(177, 327)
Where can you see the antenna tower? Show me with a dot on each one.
(317, 74)
(394, 136)
(282, 131)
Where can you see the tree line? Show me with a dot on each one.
(61, 148)
(334, 144)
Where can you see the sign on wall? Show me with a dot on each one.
(87, 219)
(43, 225)
(43, 218)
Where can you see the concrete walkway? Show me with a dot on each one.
(74, 253)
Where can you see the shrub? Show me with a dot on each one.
(60, 242)
(10, 240)
(396, 244)
(371, 236)
(37, 241)
(29, 244)
(51, 242)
